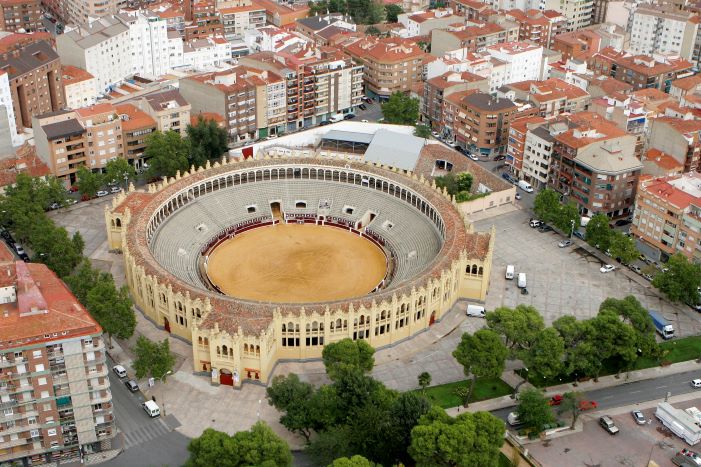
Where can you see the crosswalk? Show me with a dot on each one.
(145, 433)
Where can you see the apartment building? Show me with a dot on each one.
(102, 48)
(78, 87)
(80, 12)
(629, 114)
(104, 134)
(54, 386)
(538, 27)
(481, 122)
(319, 82)
(438, 88)
(23, 161)
(207, 53)
(641, 71)
(668, 215)
(421, 23)
(680, 139)
(594, 164)
(577, 45)
(9, 137)
(663, 29)
(473, 36)
(389, 65)
(551, 97)
(154, 51)
(201, 19)
(236, 21)
(272, 39)
(168, 108)
(518, 129)
(16, 15)
(524, 60)
(61, 143)
(321, 27)
(579, 13)
(538, 150)
(136, 126)
(34, 73)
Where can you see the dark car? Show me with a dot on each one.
(368, 100)
(499, 158)
(545, 228)
(6, 235)
(131, 385)
(362, 107)
(325, 122)
(348, 116)
(579, 234)
(622, 222)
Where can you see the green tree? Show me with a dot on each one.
(117, 169)
(421, 131)
(401, 109)
(533, 410)
(111, 308)
(347, 354)
(567, 218)
(53, 247)
(580, 355)
(518, 326)
(355, 461)
(424, 380)
(259, 446)
(470, 439)
(622, 247)
(293, 397)
(681, 281)
(636, 315)
(482, 355)
(571, 404)
(612, 339)
(598, 232)
(88, 182)
(166, 153)
(375, 13)
(82, 280)
(372, 31)
(546, 205)
(207, 140)
(546, 354)
(404, 414)
(325, 447)
(392, 12)
(152, 358)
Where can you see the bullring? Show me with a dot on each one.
(166, 235)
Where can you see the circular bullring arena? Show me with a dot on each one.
(265, 260)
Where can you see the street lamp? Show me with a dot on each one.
(163, 380)
(126, 181)
(572, 229)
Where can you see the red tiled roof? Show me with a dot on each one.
(663, 160)
(137, 119)
(26, 161)
(72, 74)
(97, 109)
(5, 253)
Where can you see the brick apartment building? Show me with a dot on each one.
(136, 126)
(20, 14)
(202, 19)
(438, 88)
(168, 108)
(577, 45)
(594, 164)
(389, 65)
(551, 96)
(54, 386)
(34, 71)
(61, 143)
(668, 214)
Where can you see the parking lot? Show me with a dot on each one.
(565, 281)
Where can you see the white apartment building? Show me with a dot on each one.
(237, 20)
(536, 155)
(664, 30)
(82, 12)
(578, 12)
(206, 54)
(78, 86)
(7, 108)
(103, 49)
(524, 60)
(421, 23)
(149, 42)
(271, 39)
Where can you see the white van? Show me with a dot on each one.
(151, 409)
(475, 310)
(510, 271)
(522, 280)
(336, 118)
(525, 186)
(512, 418)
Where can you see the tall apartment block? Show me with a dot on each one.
(55, 400)
(20, 14)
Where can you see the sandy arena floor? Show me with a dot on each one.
(295, 263)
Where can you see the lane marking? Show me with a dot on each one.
(660, 387)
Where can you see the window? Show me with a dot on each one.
(36, 354)
(250, 209)
(39, 367)
(41, 381)
(51, 432)
(44, 394)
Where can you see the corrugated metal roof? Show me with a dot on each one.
(349, 136)
(395, 149)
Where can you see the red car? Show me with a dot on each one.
(73, 189)
(555, 400)
(587, 405)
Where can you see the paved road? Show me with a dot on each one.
(632, 393)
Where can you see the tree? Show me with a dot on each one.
(622, 248)
(392, 12)
(533, 410)
(404, 414)
(207, 141)
(598, 232)
(545, 355)
(330, 445)
(454, 184)
(88, 182)
(152, 358)
(355, 461)
(482, 355)
(634, 314)
(82, 280)
(259, 446)
(53, 247)
(571, 403)
(567, 217)
(167, 153)
(470, 439)
(117, 169)
(372, 31)
(111, 308)
(612, 338)
(546, 205)
(347, 354)
(401, 109)
(421, 131)
(424, 380)
(681, 280)
(375, 13)
(580, 356)
(292, 397)
(518, 326)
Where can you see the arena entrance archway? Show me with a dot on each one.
(166, 324)
(432, 319)
(226, 377)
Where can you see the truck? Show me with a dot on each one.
(525, 186)
(336, 118)
(679, 422)
(662, 326)
(686, 458)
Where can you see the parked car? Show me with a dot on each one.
(518, 196)
(622, 222)
(73, 189)
(70, 201)
(607, 268)
(115, 189)
(6, 235)
(473, 157)
(634, 268)
(364, 121)
(587, 405)
(54, 206)
(648, 277)
(348, 116)
(607, 424)
(564, 243)
(696, 383)
(555, 400)
(368, 100)
(131, 385)
(325, 122)
(18, 248)
(499, 158)
(544, 228)
(120, 371)
(578, 234)
(102, 193)
(638, 417)
(362, 107)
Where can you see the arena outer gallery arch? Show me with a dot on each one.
(236, 340)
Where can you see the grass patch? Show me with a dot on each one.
(504, 461)
(485, 388)
(678, 350)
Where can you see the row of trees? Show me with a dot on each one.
(361, 11)
(548, 208)
(357, 415)
(457, 185)
(116, 171)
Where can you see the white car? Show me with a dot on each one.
(564, 243)
(638, 417)
(364, 121)
(120, 371)
(102, 193)
(696, 383)
(607, 268)
(115, 189)
(473, 157)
